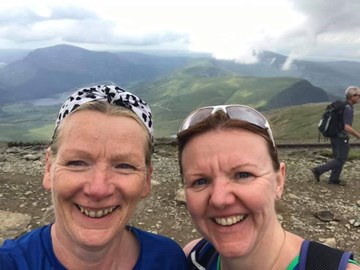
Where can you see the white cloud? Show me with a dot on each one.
(229, 29)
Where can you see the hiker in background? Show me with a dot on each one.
(232, 179)
(98, 167)
(340, 143)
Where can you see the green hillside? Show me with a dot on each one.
(299, 123)
(26, 122)
(36, 123)
(202, 83)
(174, 96)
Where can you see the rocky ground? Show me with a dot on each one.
(24, 204)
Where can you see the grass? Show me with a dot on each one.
(296, 123)
(354, 154)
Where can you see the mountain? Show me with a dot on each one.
(11, 55)
(204, 82)
(48, 71)
(333, 77)
(173, 85)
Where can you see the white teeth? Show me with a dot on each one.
(98, 213)
(229, 220)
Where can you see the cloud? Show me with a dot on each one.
(75, 25)
(330, 15)
(228, 29)
(330, 30)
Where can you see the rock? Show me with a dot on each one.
(324, 215)
(21, 191)
(31, 157)
(180, 196)
(331, 242)
(12, 224)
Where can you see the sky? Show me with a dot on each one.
(228, 29)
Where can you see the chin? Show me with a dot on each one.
(233, 250)
(94, 238)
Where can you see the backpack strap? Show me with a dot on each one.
(316, 256)
(201, 255)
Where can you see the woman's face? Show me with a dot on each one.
(97, 177)
(231, 188)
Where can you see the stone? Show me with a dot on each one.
(12, 224)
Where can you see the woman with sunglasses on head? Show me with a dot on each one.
(98, 167)
(232, 179)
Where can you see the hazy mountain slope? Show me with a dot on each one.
(333, 77)
(48, 71)
(11, 55)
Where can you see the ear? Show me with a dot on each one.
(47, 174)
(147, 185)
(280, 181)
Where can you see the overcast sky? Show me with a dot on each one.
(228, 29)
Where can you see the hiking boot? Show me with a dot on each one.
(316, 174)
(338, 183)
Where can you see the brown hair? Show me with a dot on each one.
(221, 121)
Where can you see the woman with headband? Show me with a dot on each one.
(98, 167)
(232, 179)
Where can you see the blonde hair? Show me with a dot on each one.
(111, 110)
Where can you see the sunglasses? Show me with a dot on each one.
(237, 112)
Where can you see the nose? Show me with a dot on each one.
(222, 193)
(99, 185)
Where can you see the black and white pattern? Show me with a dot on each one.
(111, 94)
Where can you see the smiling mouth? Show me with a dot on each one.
(96, 213)
(230, 220)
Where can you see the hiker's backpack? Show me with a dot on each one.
(313, 256)
(331, 123)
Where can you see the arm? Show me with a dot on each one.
(349, 129)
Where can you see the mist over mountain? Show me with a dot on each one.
(333, 77)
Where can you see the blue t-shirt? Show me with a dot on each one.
(34, 251)
(348, 114)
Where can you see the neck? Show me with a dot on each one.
(265, 255)
(73, 256)
(279, 252)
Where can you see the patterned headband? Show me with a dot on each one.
(111, 94)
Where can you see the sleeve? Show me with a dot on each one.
(348, 115)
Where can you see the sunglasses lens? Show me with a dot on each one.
(196, 117)
(239, 112)
(246, 114)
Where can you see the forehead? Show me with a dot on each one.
(96, 126)
(233, 140)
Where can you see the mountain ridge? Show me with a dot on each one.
(173, 85)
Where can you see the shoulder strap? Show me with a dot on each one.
(201, 255)
(316, 256)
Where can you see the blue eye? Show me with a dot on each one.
(76, 163)
(124, 166)
(242, 175)
(201, 182)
